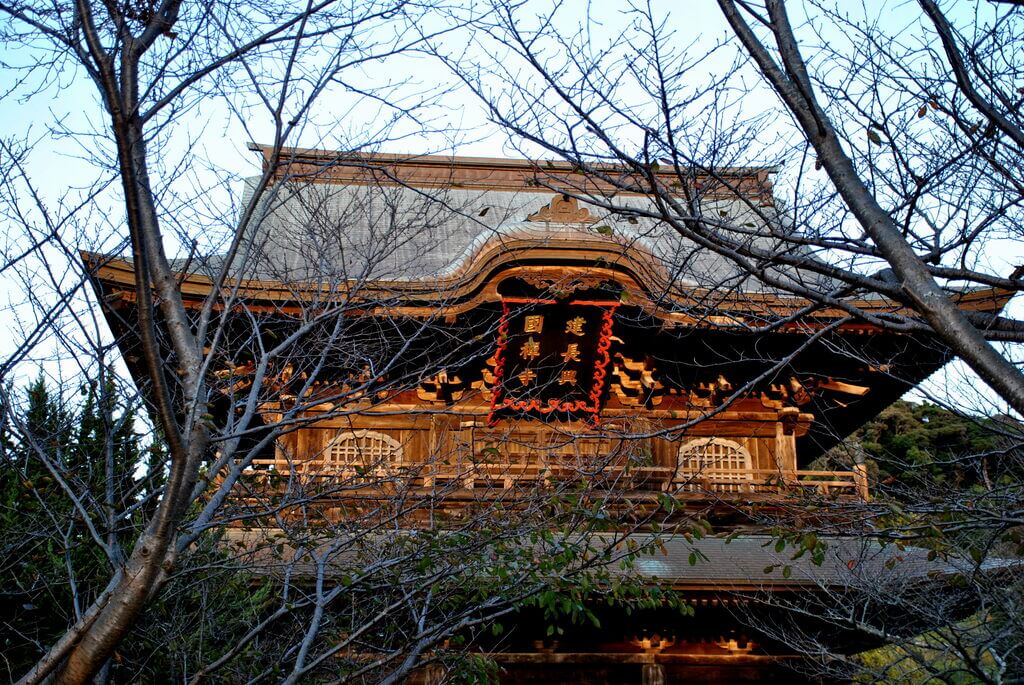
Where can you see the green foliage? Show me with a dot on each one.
(928, 662)
(951, 484)
(199, 617)
(66, 476)
(469, 669)
(912, 441)
(73, 477)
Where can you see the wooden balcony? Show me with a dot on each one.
(466, 478)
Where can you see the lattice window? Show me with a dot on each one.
(714, 464)
(362, 450)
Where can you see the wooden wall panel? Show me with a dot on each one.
(449, 437)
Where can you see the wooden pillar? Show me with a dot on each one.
(432, 457)
(287, 455)
(653, 674)
(860, 478)
(432, 674)
(785, 444)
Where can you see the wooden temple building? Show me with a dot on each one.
(505, 336)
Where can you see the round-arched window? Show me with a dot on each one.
(713, 464)
(364, 450)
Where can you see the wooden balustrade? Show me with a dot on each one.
(770, 480)
(532, 470)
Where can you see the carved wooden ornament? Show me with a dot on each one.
(562, 209)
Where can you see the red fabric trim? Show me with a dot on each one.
(499, 359)
(604, 344)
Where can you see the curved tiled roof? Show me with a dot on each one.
(370, 232)
(433, 231)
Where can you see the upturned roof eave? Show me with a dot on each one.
(463, 292)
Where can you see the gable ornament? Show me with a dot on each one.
(563, 209)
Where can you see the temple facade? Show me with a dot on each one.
(504, 335)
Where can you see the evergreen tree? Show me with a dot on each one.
(923, 444)
(67, 477)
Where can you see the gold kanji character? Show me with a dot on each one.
(568, 377)
(526, 377)
(530, 349)
(534, 323)
(572, 353)
(575, 326)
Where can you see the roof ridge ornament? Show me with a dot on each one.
(563, 209)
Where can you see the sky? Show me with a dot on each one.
(210, 137)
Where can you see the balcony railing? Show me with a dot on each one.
(536, 470)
